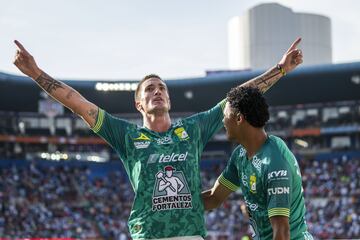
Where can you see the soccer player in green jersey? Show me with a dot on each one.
(263, 168)
(161, 158)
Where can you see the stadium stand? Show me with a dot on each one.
(57, 179)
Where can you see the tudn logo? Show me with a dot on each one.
(278, 190)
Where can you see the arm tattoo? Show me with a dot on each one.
(268, 79)
(48, 83)
(69, 94)
(93, 113)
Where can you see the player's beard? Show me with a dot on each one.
(158, 111)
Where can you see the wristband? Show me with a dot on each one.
(281, 69)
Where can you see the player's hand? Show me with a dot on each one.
(25, 62)
(292, 58)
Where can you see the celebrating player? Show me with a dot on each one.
(263, 167)
(145, 151)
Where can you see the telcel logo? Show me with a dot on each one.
(173, 157)
(164, 158)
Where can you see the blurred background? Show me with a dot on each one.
(59, 180)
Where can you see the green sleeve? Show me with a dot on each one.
(230, 176)
(210, 121)
(112, 130)
(278, 177)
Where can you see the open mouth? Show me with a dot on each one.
(158, 100)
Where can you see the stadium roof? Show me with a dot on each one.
(312, 84)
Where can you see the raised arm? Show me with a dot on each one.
(214, 197)
(289, 61)
(61, 92)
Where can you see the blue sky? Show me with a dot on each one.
(126, 39)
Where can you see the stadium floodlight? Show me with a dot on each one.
(133, 86)
(22, 126)
(189, 94)
(95, 158)
(106, 86)
(301, 143)
(355, 79)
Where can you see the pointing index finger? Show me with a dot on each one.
(294, 44)
(20, 46)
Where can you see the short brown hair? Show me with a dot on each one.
(142, 81)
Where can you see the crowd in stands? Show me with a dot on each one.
(332, 190)
(75, 202)
(72, 201)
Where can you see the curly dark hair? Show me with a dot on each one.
(251, 103)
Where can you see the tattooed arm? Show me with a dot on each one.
(63, 93)
(290, 60)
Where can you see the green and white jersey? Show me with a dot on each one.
(271, 185)
(164, 171)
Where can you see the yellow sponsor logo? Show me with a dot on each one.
(142, 137)
(181, 133)
(253, 184)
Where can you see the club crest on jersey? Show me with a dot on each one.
(171, 190)
(252, 184)
(142, 141)
(181, 134)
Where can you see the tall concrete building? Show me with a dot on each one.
(259, 37)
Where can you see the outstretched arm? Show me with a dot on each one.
(290, 60)
(214, 197)
(61, 92)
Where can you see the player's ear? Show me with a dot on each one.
(138, 106)
(239, 118)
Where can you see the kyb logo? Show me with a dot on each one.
(278, 190)
(164, 158)
(276, 174)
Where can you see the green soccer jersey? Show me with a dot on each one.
(271, 185)
(164, 171)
